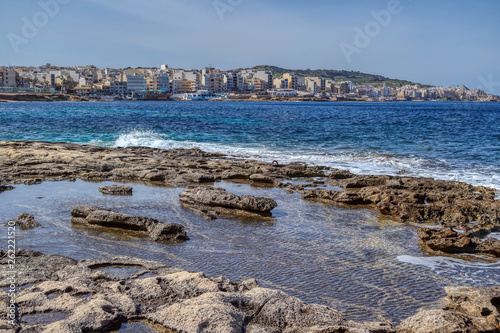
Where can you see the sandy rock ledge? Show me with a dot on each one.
(85, 296)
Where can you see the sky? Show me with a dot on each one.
(446, 42)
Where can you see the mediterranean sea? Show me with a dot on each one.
(445, 140)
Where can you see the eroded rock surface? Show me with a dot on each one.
(407, 199)
(415, 199)
(158, 231)
(116, 190)
(214, 202)
(450, 240)
(466, 309)
(92, 299)
(26, 221)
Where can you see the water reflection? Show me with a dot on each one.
(349, 259)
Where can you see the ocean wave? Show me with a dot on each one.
(358, 163)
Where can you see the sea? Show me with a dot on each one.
(352, 260)
(446, 140)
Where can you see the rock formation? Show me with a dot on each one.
(116, 190)
(215, 202)
(158, 231)
(76, 296)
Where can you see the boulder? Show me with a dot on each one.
(158, 231)
(446, 240)
(437, 321)
(466, 309)
(451, 240)
(116, 190)
(26, 221)
(214, 202)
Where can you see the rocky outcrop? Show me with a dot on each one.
(40, 97)
(4, 188)
(158, 231)
(414, 199)
(214, 202)
(403, 198)
(451, 240)
(466, 309)
(116, 190)
(76, 296)
(26, 221)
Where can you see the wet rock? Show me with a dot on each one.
(158, 231)
(488, 246)
(219, 202)
(116, 190)
(4, 188)
(260, 178)
(339, 197)
(408, 199)
(451, 240)
(26, 221)
(446, 240)
(192, 177)
(229, 174)
(94, 301)
(340, 174)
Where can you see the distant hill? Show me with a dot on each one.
(356, 77)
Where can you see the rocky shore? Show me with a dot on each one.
(472, 209)
(82, 297)
(40, 97)
(59, 294)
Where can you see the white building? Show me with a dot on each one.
(136, 83)
(282, 92)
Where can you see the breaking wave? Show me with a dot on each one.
(360, 163)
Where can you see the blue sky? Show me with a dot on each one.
(446, 42)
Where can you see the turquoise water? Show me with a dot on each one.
(350, 259)
(457, 141)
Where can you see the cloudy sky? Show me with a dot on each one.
(446, 42)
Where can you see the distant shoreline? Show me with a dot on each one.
(41, 97)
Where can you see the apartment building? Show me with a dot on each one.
(160, 83)
(136, 83)
(292, 80)
(315, 84)
(9, 77)
(211, 80)
(265, 76)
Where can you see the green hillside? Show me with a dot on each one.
(356, 77)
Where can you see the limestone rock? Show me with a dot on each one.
(449, 240)
(158, 231)
(219, 202)
(116, 190)
(26, 221)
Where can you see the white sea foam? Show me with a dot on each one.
(442, 263)
(356, 163)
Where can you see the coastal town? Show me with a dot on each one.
(209, 83)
